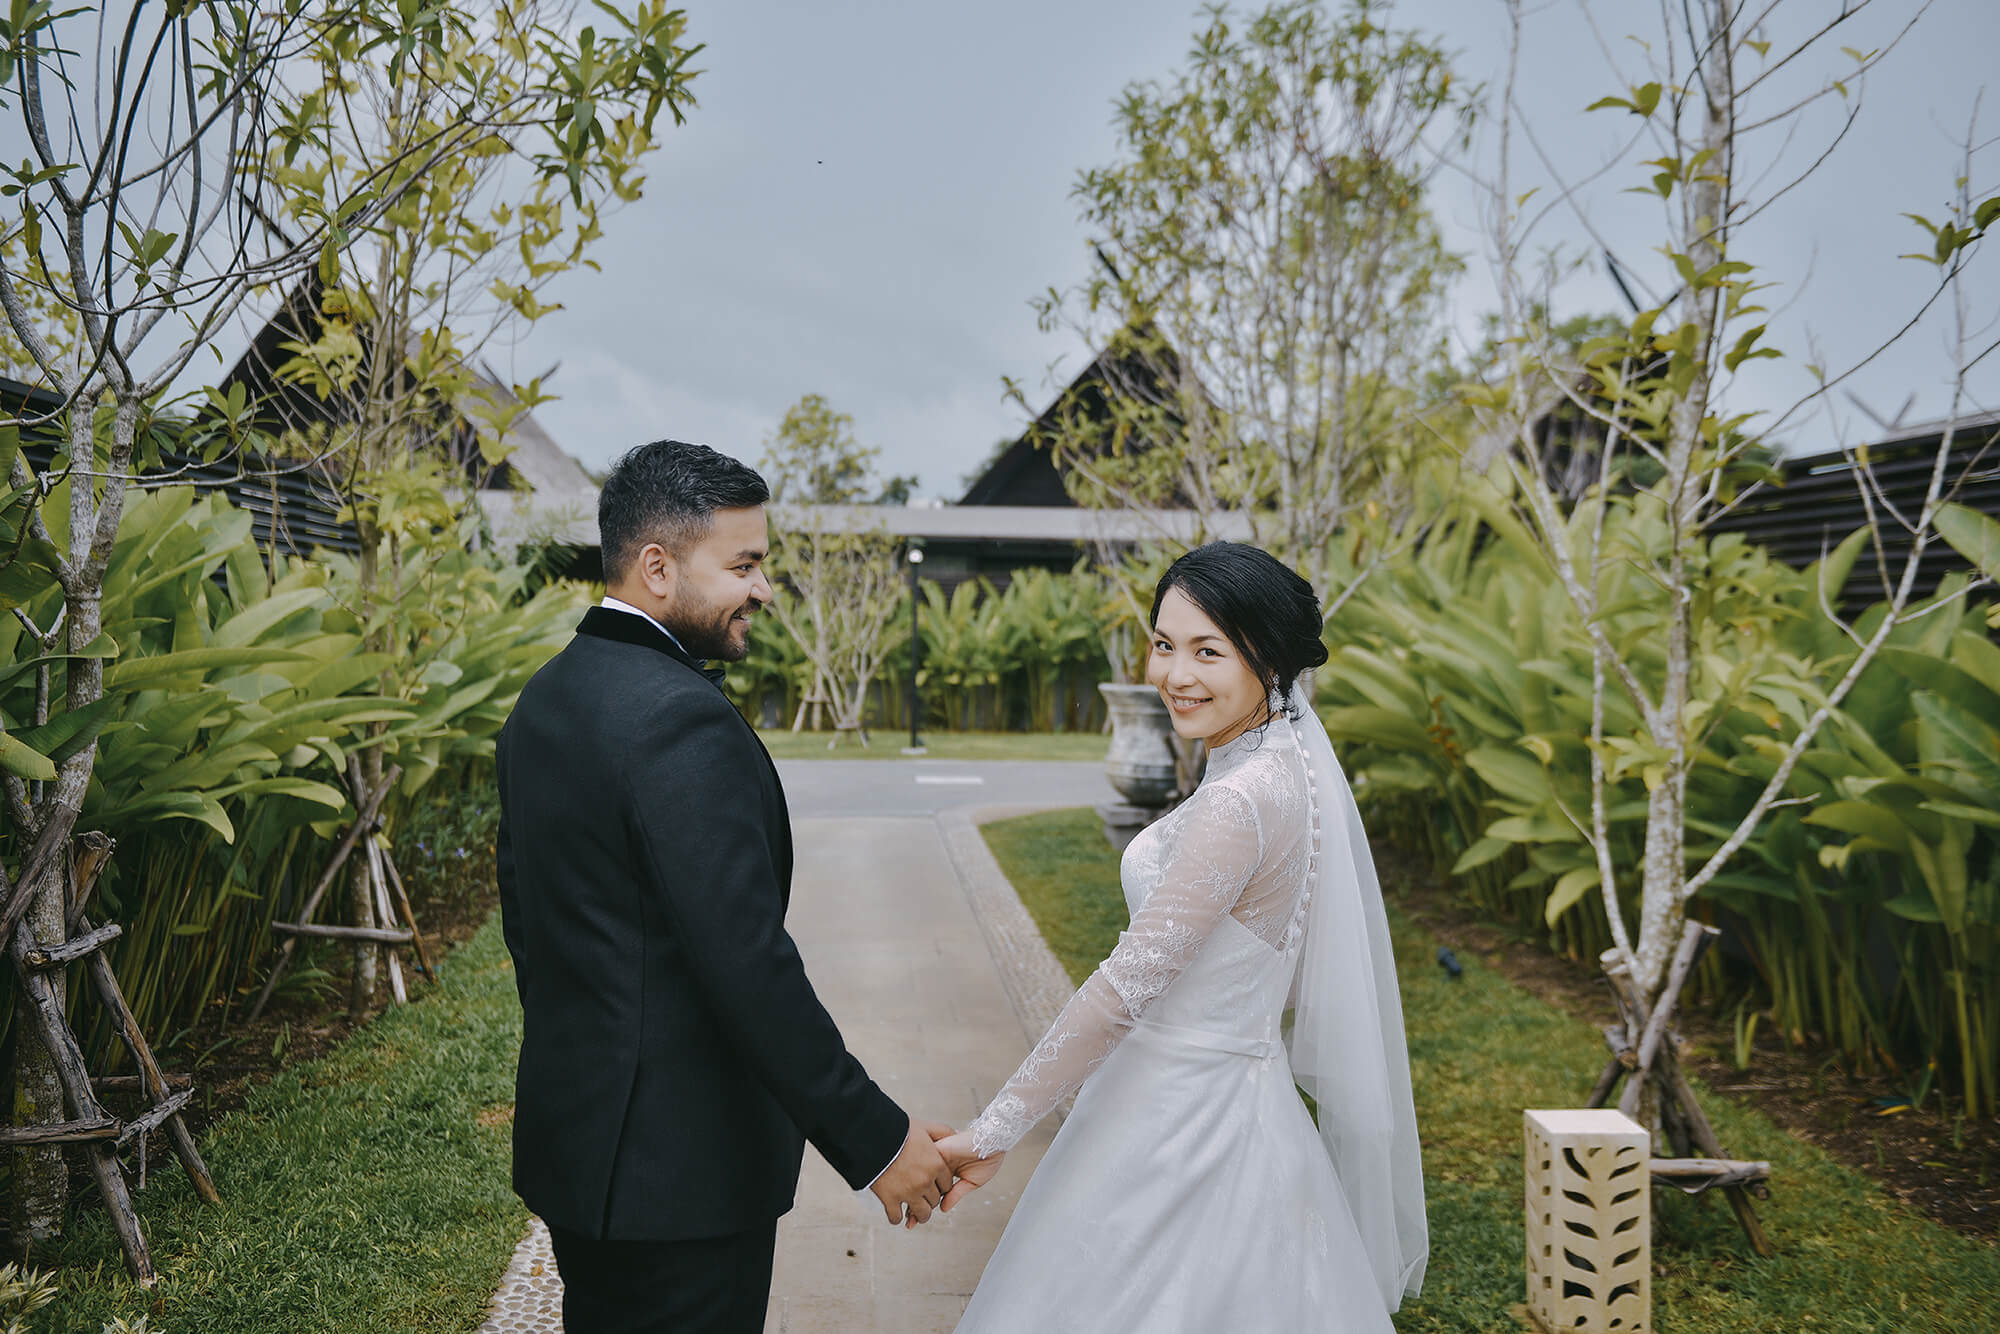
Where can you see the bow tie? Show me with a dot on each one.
(714, 674)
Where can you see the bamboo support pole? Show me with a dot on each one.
(32, 866)
(67, 953)
(1600, 1092)
(1703, 1136)
(134, 1083)
(378, 888)
(1708, 1171)
(154, 1117)
(364, 820)
(380, 935)
(152, 1080)
(1653, 1061)
(409, 916)
(62, 1132)
(46, 1013)
(85, 869)
(1695, 940)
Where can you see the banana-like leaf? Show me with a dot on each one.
(1569, 891)
(1480, 853)
(1945, 679)
(1547, 828)
(104, 646)
(1976, 741)
(246, 627)
(69, 732)
(1866, 818)
(1378, 727)
(23, 760)
(1972, 535)
(187, 665)
(1511, 773)
(1830, 575)
(1989, 816)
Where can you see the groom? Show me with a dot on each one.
(674, 1057)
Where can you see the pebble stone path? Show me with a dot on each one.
(940, 981)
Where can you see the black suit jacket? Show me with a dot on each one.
(674, 1056)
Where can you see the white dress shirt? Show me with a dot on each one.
(618, 605)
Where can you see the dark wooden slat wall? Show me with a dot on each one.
(295, 512)
(1820, 503)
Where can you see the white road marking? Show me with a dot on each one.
(952, 780)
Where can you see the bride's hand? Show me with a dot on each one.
(972, 1172)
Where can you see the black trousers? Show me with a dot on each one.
(711, 1285)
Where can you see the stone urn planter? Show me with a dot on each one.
(1140, 763)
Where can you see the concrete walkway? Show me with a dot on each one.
(938, 979)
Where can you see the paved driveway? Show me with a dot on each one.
(883, 910)
(825, 789)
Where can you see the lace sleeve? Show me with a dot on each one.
(1213, 853)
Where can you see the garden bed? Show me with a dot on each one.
(363, 1190)
(1850, 1256)
(1942, 1164)
(446, 857)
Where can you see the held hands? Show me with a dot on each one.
(916, 1180)
(972, 1172)
(934, 1171)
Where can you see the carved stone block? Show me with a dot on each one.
(1590, 1222)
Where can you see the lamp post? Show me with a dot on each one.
(916, 558)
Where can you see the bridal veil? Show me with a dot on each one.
(1347, 1044)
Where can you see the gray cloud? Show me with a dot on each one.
(869, 194)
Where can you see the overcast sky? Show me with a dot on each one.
(870, 192)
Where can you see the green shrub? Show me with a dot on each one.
(1459, 691)
(236, 694)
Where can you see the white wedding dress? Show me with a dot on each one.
(1189, 1190)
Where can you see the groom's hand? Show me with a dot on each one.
(917, 1179)
(972, 1172)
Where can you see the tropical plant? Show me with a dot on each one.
(1459, 688)
(1670, 677)
(499, 147)
(237, 696)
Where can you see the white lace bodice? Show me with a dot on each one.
(1240, 848)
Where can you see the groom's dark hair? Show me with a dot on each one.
(668, 492)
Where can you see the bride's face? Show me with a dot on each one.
(1207, 684)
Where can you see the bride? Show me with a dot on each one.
(1189, 1189)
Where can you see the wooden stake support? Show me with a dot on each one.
(101, 1134)
(366, 806)
(1651, 1062)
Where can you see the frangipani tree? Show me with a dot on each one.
(1672, 454)
(502, 149)
(837, 588)
(1269, 300)
(139, 226)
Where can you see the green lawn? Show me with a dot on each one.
(367, 1191)
(1481, 1050)
(1084, 746)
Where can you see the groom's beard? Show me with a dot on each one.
(706, 632)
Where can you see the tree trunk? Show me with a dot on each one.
(41, 1177)
(360, 892)
(1706, 217)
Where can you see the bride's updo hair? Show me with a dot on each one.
(1268, 611)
